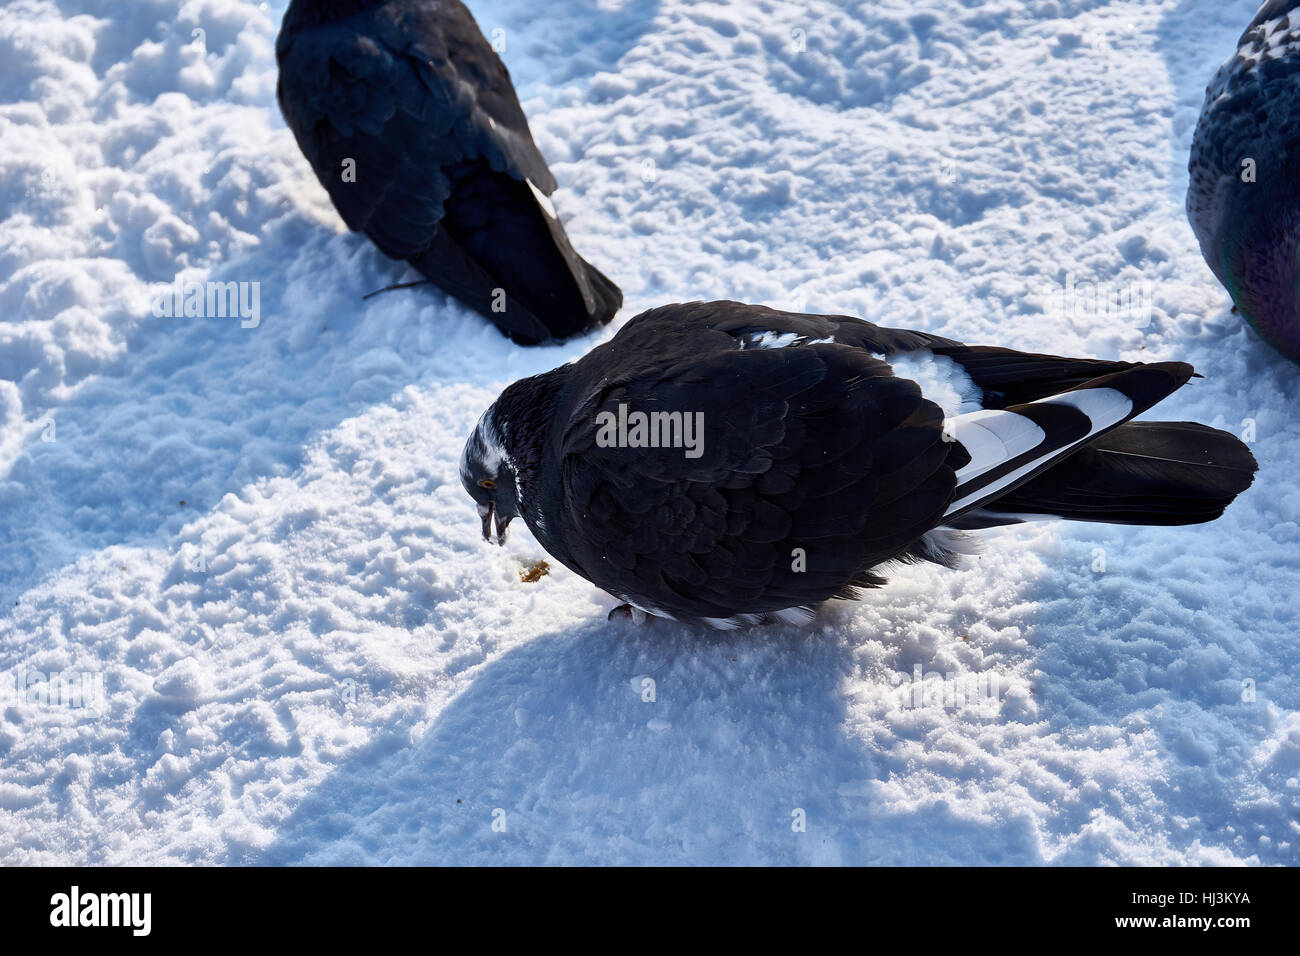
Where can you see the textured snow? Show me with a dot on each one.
(249, 550)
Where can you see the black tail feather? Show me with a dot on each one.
(1065, 423)
(1142, 473)
(503, 254)
(1008, 377)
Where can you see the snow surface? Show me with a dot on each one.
(254, 539)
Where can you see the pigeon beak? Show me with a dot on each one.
(503, 522)
(487, 513)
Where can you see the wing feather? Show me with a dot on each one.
(818, 447)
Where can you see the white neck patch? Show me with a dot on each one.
(487, 442)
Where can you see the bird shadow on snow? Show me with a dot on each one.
(195, 408)
(557, 743)
(626, 744)
(1191, 62)
(613, 743)
(744, 729)
(199, 407)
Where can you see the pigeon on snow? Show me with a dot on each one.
(1243, 195)
(793, 455)
(410, 122)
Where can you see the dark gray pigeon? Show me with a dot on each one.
(1243, 195)
(728, 463)
(410, 122)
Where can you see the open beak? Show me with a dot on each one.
(503, 522)
(487, 512)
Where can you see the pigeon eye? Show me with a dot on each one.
(487, 483)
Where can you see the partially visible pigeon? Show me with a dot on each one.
(410, 122)
(729, 463)
(1243, 195)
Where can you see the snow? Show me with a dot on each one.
(249, 547)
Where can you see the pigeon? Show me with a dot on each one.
(409, 119)
(731, 465)
(1243, 193)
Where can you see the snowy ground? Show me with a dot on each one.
(253, 539)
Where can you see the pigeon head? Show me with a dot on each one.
(502, 459)
(489, 475)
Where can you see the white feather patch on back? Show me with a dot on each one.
(942, 380)
(779, 340)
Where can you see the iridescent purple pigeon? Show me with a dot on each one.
(1243, 197)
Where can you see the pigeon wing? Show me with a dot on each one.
(418, 89)
(816, 464)
(1005, 376)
